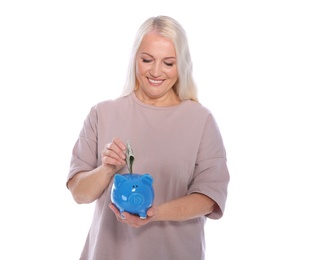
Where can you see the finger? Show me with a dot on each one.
(128, 218)
(151, 212)
(133, 220)
(111, 157)
(115, 149)
(113, 208)
(119, 143)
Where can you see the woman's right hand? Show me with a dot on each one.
(113, 156)
(87, 186)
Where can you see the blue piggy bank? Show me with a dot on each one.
(133, 193)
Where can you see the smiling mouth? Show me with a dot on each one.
(155, 81)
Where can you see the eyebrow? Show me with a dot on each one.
(172, 57)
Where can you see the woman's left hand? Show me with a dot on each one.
(133, 220)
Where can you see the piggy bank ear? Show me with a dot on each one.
(147, 179)
(119, 179)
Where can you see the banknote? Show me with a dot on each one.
(129, 156)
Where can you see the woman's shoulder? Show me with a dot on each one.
(120, 101)
(196, 107)
(107, 107)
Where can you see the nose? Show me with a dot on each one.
(156, 70)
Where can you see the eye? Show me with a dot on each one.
(146, 61)
(169, 64)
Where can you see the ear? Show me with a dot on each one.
(147, 179)
(119, 179)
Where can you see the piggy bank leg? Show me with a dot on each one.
(143, 215)
(121, 210)
(121, 213)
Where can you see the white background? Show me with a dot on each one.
(251, 63)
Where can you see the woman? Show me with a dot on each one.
(174, 138)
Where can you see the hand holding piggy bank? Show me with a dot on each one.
(133, 193)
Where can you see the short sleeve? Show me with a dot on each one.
(211, 175)
(84, 154)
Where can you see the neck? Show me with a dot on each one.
(167, 100)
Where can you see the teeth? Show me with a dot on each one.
(155, 81)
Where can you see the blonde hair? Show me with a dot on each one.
(167, 27)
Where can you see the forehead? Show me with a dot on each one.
(155, 44)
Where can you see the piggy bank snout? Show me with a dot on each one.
(136, 199)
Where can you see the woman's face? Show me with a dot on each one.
(156, 71)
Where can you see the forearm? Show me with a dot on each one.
(185, 208)
(86, 187)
